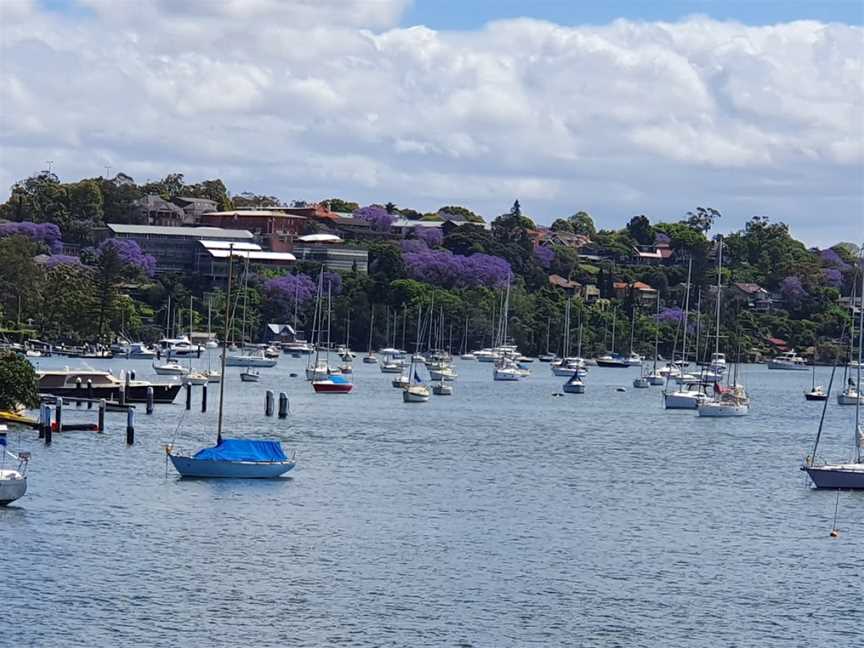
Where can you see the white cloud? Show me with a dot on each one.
(307, 99)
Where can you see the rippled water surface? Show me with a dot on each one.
(501, 516)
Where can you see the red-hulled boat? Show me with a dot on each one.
(334, 384)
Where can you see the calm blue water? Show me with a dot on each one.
(500, 516)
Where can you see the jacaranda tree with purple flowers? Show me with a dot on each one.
(130, 255)
(443, 268)
(431, 236)
(544, 255)
(792, 290)
(46, 233)
(376, 216)
(671, 315)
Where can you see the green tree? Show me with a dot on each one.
(582, 223)
(640, 229)
(463, 212)
(702, 219)
(19, 278)
(18, 382)
(342, 206)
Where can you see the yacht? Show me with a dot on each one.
(94, 383)
(789, 361)
(179, 347)
(250, 358)
(170, 368)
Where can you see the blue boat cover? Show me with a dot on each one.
(243, 450)
(336, 379)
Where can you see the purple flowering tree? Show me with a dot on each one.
(670, 315)
(443, 268)
(832, 277)
(831, 259)
(290, 288)
(130, 254)
(46, 233)
(334, 281)
(376, 216)
(413, 245)
(544, 255)
(431, 236)
(792, 290)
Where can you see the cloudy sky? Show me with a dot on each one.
(754, 108)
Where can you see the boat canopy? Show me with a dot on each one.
(336, 379)
(243, 450)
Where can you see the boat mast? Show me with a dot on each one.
(719, 288)
(371, 328)
(656, 336)
(614, 313)
(632, 327)
(686, 313)
(579, 348)
(859, 434)
(225, 347)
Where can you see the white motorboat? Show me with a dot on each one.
(250, 358)
(485, 355)
(634, 359)
(170, 368)
(196, 378)
(641, 382)
(789, 361)
(370, 359)
(468, 356)
(137, 351)
(506, 372)
(178, 347)
(249, 375)
(298, 346)
(401, 382)
(443, 373)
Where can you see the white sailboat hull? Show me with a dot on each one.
(13, 485)
(721, 410)
(506, 374)
(415, 394)
(683, 400)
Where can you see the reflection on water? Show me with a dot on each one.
(499, 516)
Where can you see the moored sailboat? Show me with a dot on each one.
(232, 458)
(849, 474)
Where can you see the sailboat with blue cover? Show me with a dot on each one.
(232, 458)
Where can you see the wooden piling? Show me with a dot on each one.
(101, 423)
(149, 409)
(203, 398)
(268, 403)
(283, 405)
(130, 426)
(90, 393)
(188, 396)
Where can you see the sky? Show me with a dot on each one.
(616, 108)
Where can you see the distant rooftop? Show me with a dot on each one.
(192, 232)
(254, 255)
(224, 245)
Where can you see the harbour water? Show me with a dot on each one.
(500, 516)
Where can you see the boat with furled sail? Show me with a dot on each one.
(232, 458)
